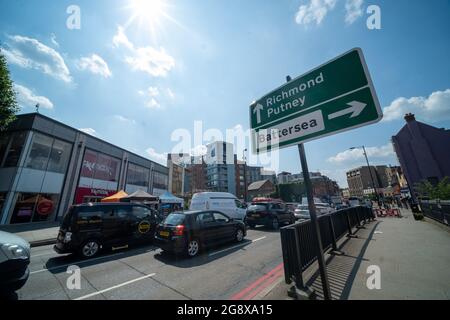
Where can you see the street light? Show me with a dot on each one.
(370, 171)
(245, 174)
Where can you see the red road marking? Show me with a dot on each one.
(264, 285)
(258, 282)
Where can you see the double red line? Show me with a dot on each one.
(260, 284)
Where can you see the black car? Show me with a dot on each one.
(14, 261)
(88, 228)
(190, 231)
(269, 214)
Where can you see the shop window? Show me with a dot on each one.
(33, 207)
(4, 139)
(15, 150)
(59, 156)
(2, 201)
(39, 153)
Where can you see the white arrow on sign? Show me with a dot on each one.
(356, 108)
(259, 107)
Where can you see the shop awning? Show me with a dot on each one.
(170, 198)
(140, 195)
(115, 197)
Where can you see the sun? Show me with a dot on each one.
(148, 14)
(148, 11)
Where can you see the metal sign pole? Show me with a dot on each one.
(315, 223)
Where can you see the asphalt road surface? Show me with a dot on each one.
(231, 271)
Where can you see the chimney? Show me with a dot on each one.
(409, 117)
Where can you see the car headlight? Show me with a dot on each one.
(68, 237)
(14, 251)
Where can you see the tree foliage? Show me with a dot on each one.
(8, 103)
(440, 191)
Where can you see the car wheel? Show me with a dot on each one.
(193, 248)
(275, 224)
(239, 235)
(90, 248)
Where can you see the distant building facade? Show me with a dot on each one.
(423, 152)
(360, 180)
(263, 188)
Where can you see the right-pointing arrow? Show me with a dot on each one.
(355, 109)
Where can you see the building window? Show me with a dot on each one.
(48, 154)
(34, 207)
(2, 201)
(15, 149)
(160, 181)
(4, 139)
(137, 175)
(59, 156)
(39, 153)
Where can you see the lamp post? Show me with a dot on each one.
(245, 174)
(370, 171)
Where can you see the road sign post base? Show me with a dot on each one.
(337, 253)
(352, 236)
(305, 293)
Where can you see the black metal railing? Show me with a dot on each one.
(438, 210)
(300, 247)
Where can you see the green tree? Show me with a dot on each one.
(8, 103)
(440, 191)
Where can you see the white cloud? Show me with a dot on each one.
(89, 131)
(124, 119)
(155, 62)
(157, 157)
(353, 10)
(53, 39)
(355, 155)
(95, 64)
(153, 104)
(170, 93)
(314, 12)
(31, 54)
(26, 98)
(153, 91)
(121, 39)
(434, 108)
(199, 150)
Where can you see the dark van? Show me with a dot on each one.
(88, 228)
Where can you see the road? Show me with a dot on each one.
(232, 271)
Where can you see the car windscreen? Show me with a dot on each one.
(257, 207)
(67, 220)
(174, 219)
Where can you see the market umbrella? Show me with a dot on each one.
(115, 197)
(140, 195)
(168, 197)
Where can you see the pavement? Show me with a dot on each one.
(37, 234)
(413, 258)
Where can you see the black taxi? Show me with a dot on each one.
(86, 229)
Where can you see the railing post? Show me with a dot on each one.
(358, 217)
(335, 250)
(299, 290)
(349, 225)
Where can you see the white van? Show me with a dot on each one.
(220, 201)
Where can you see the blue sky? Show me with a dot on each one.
(133, 82)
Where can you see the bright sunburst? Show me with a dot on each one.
(148, 13)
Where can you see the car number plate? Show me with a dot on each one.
(255, 215)
(164, 233)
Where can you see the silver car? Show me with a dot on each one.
(14, 261)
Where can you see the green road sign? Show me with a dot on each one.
(335, 97)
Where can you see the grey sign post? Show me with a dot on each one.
(335, 97)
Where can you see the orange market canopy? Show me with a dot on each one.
(115, 197)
